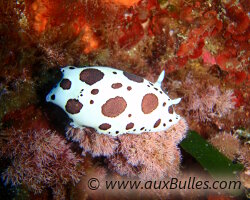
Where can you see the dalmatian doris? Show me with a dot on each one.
(112, 101)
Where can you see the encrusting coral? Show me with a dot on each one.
(147, 156)
(40, 159)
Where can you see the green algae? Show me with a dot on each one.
(218, 165)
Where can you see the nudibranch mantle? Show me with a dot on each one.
(113, 101)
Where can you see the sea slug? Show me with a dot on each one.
(112, 101)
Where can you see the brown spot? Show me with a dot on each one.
(91, 76)
(94, 91)
(157, 123)
(170, 109)
(129, 88)
(129, 115)
(149, 103)
(116, 85)
(91, 102)
(170, 120)
(129, 126)
(142, 128)
(114, 107)
(73, 106)
(65, 84)
(53, 97)
(164, 124)
(133, 77)
(164, 104)
(105, 126)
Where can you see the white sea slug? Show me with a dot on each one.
(113, 101)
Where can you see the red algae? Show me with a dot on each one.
(126, 3)
(40, 18)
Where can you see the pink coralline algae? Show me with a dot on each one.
(40, 159)
(147, 156)
(94, 143)
(227, 144)
(206, 102)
